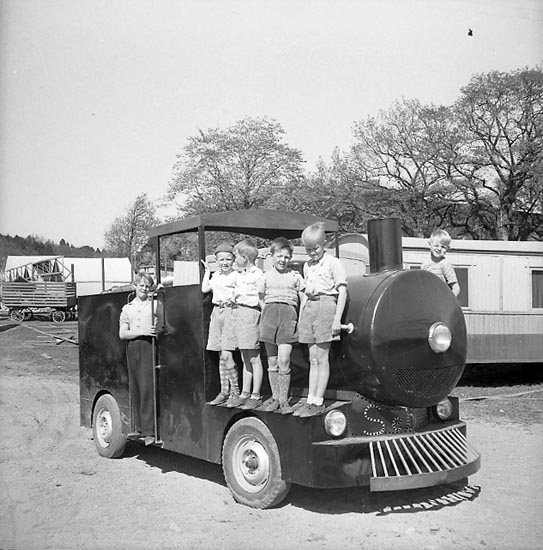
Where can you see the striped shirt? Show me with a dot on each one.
(443, 269)
(283, 287)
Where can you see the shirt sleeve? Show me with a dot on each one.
(124, 319)
(338, 273)
(299, 281)
(261, 284)
(449, 273)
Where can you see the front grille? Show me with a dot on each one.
(394, 460)
(427, 382)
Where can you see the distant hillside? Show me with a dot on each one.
(38, 246)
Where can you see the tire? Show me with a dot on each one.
(252, 465)
(17, 315)
(58, 316)
(106, 428)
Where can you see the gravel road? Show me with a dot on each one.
(58, 493)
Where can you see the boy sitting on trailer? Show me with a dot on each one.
(243, 325)
(222, 285)
(320, 315)
(280, 287)
(439, 242)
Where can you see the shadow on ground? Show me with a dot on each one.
(325, 501)
(494, 375)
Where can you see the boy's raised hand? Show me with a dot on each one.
(206, 265)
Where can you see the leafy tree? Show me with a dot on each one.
(127, 235)
(244, 166)
(501, 164)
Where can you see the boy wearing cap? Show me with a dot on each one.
(222, 284)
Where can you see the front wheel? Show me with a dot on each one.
(58, 316)
(106, 428)
(252, 465)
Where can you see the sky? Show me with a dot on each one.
(97, 98)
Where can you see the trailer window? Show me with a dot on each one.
(537, 289)
(462, 277)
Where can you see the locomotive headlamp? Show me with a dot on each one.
(335, 423)
(439, 337)
(444, 409)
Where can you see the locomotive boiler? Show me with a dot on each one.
(388, 423)
(408, 346)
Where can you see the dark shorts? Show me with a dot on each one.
(279, 324)
(241, 328)
(316, 318)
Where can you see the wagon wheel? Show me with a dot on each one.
(252, 465)
(17, 315)
(58, 316)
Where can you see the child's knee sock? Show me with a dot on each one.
(233, 379)
(223, 373)
(273, 377)
(284, 385)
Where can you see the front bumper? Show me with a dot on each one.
(396, 462)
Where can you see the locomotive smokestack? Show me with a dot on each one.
(385, 245)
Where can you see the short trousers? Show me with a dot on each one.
(316, 318)
(241, 328)
(279, 324)
(216, 328)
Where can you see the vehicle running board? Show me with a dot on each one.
(140, 439)
(421, 460)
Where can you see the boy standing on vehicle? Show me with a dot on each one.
(243, 327)
(280, 287)
(137, 325)
(439, 242)
(320, 315)
(222, 285)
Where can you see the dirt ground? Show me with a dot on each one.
(58, 493)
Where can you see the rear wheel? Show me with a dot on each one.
(252, 465)
(17, 315)
(58, 316)
(106, 428)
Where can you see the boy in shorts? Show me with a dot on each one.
(439, 242)
(320, 315)
(243, 326)
(222, 285)
(280, 288)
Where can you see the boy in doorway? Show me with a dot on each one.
(222, 285)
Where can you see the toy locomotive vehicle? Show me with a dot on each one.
(389, 422)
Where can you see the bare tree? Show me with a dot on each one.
(501, 164)
(408, 149)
